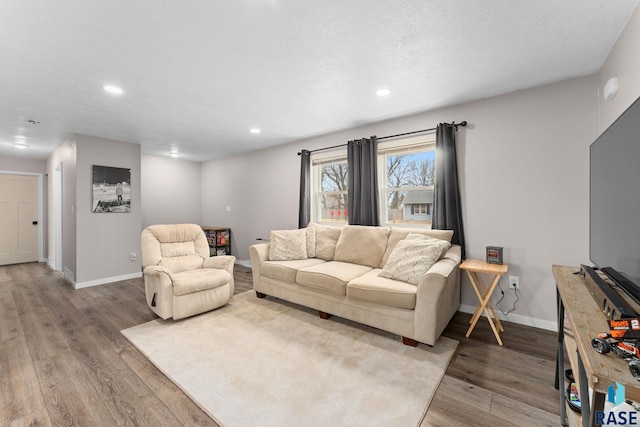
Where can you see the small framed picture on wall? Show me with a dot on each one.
(111, 189)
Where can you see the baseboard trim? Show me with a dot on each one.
(79, 285)
(517, 318)
(68, 276)
(244, 263)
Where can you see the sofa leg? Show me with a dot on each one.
(324, 315)
(409, 341)
(260, 294)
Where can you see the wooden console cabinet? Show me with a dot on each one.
(579, 320)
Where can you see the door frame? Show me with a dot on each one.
(57, 216)
(41, 224)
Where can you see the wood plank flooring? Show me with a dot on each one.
(63, 362)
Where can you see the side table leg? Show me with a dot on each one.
(496, 279)
(584, 393)
(480, 293)
(493, 326)
(559, 383)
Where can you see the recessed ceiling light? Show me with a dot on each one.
(383, 92)
(255, 130)
(115, 90)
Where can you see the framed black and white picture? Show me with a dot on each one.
(111, 189)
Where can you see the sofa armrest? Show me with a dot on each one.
(448, 263)
(259, 253)
(438, 292)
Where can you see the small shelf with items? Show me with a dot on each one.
(219, 239)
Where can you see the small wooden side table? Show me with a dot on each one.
(473, 268)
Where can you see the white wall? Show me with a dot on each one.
(170, 191)
(523, 168)
(18, 164)
(623, 61)
(105, 240)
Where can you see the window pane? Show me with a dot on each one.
(409, 187)
(334, 176)
(330, 192)
(395, 209)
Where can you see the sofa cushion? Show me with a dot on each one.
(398, 234)
(331, 276)
(287, 245)
(413, 257)
(326, 239)
(286, 270)
(202, 279)
(372, 288)
(362, 245)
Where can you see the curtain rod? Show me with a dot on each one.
(462, 123)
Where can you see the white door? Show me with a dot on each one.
(18, 218)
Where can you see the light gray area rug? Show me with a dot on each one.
(265, 362)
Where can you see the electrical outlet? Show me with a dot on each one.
(133, 256)
(514, 282)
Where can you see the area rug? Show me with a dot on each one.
(270, 363)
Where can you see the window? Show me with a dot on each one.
(405, 177)
(419, 209)
(407, 170)
(329, 189)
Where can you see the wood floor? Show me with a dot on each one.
(63, 362)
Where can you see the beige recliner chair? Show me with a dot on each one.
(180, 277)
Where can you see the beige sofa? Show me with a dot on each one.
(339, 271)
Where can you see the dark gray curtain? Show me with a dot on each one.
(447, 207)
(362, 163)
(304, 207)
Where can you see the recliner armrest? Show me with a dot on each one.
(150, 269)
(223, 262)
(158, 286)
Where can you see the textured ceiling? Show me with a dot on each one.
(199, 74)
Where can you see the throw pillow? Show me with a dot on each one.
(311, 242)
(362, 245)
(287, 245)
(413, 257)
(326, 240)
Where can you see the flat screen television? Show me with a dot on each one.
(614, 201)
